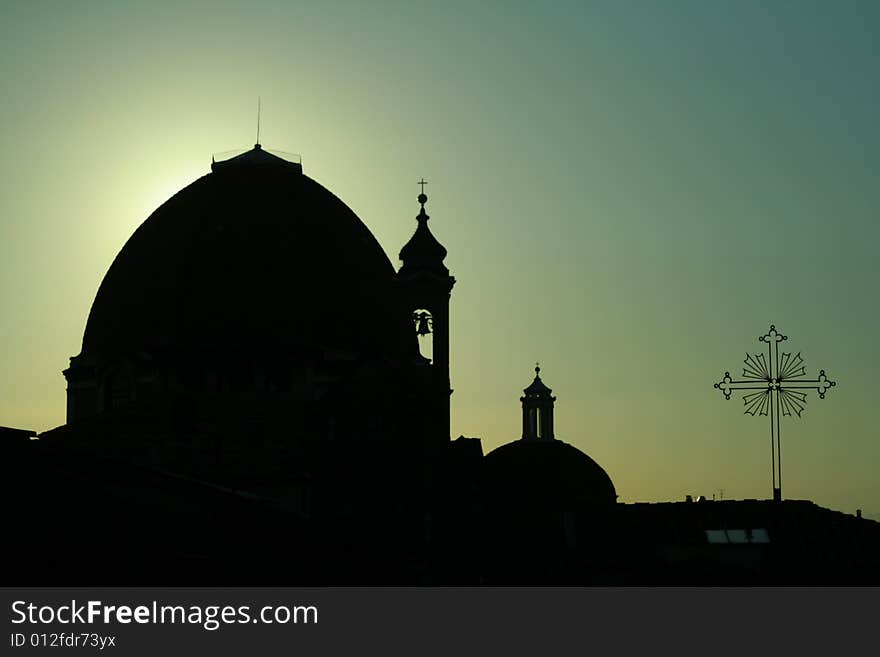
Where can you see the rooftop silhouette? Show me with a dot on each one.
(250, 405)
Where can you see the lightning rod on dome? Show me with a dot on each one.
(259, 103)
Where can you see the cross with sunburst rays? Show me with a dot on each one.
(778, 383)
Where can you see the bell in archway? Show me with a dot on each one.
(423, 323)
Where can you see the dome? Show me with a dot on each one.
(547, 473)
(253, 256)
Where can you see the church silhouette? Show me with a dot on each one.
(251, 405)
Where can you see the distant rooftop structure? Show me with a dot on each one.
(10, 433)
(255, 157)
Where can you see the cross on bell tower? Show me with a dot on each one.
(537, 405)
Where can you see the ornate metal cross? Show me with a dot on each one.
(422, 182)
(778, 383)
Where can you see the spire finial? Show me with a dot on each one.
(537, 369)
(259, 108)
(423, 198)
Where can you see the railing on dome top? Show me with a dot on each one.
(296, 158)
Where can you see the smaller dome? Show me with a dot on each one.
(545, 473)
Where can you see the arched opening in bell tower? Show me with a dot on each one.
(424, 325)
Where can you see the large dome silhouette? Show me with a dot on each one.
(253, 256)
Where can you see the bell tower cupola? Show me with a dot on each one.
(537, 406)
(426, 287)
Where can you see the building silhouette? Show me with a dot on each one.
(251, 406)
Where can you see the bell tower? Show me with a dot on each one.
(426, 287)
(537, 406)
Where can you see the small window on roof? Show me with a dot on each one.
(760, 536)
(737, 536)
(716, 536)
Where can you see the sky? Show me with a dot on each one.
(630, 193)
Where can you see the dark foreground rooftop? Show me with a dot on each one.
(80, 520)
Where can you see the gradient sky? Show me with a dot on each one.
(630, 192)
